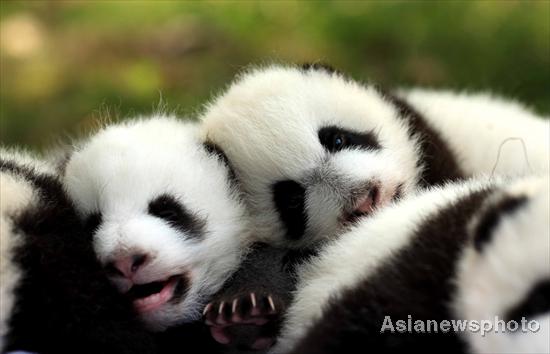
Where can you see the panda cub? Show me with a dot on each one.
(506, 129)
(55, 297)
(315, 151)
(168, 224)
(469, 251)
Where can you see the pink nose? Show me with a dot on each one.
(127, 266)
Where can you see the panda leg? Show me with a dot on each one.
(247, 312)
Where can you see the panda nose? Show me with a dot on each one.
(127, 266)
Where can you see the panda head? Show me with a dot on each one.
(168, 224)
(314, 151)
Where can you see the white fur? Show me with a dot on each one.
(267, 123)
(16, 195)
(121, 169)
(352, 257)
(518, 256)
(488, 285)
(476, 125)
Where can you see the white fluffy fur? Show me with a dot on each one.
(476, 126)
(267, 123)
(489, 284)
(121, 169)
(268, 119)
(17, 194)
(352, 257)
(496, 280)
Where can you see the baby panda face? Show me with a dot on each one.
(313, 150)
(168, 225)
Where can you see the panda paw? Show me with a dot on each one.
(249, 321)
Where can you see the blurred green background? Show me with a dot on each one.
(66, 64)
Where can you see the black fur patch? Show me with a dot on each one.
(535, 303)
(170, 210)
(93, 222)
(215, 150)
(492, 218)
(265, 271)
(416, 281)
(64, 302)
(190, 338)
(319, 66)
(289, 198)
(335, 139)
(439, 162)
(48, 186)
(295, 257)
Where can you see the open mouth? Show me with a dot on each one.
(364, 206)
(151, 296)
(367, 203)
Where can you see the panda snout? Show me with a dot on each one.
(368, 201)
(363, 202)
(148, 287)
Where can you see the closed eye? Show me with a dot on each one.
(167, 208)
(169, 214)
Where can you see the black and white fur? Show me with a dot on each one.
(489, 134)
(247, 312)
(55, 297)
(466, 251)
(168, 222)
(315, 151)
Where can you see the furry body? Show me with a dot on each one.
(55, 295)
(468, 251)
(315, 151)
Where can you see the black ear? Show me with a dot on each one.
(215, 150)
(492, 217)
(319, 66)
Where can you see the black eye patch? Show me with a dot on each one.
(335, 139)
(93, 221)
(167, 208)
(289, 199)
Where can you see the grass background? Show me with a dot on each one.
(64, 64)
